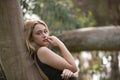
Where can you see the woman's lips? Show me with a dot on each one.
(45, 40)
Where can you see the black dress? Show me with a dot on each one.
(50, 72)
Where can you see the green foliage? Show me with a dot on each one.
(87, 19)
(59, 15)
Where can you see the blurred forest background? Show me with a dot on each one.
(66, 15)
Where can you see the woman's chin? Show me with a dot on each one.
(46, 43)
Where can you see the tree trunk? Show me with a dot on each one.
(105, 12)
(14, 59)
(115, 66)
(102, 38)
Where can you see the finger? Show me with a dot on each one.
(69, 75)
(66, 73)
(50, 40)
(63, 74)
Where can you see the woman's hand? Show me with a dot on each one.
(54, 40)
(66, 74)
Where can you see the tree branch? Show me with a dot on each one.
(100, 38)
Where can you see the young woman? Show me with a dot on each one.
(54, 66)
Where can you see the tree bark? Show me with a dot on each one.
(101, 38)
(14, 59)
(105, 12)
(115, 66)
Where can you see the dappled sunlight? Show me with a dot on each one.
(33, 16)
(88, 59)
(86, 29)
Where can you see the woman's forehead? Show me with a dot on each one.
(39, 27)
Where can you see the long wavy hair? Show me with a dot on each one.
(28, 30)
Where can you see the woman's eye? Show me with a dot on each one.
(45, 31)
(39, 33)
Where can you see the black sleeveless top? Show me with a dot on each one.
(50, 72)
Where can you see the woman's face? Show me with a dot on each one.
(40, 35)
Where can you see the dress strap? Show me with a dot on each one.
(39, 69)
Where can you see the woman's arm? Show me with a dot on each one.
(65, 52)
(50, 58)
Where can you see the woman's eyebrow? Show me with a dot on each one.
(40, 30)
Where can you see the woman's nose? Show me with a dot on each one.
(44, 35)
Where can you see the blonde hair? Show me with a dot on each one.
(28, 29)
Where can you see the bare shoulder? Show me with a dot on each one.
(43, 49)
(44, 53)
